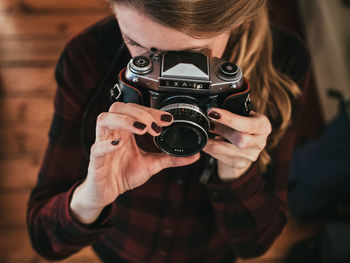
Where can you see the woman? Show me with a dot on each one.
(137, 205)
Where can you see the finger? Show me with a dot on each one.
(142, 115)
(100, 149)
(223, 148)
(164, 118)
(231, 160)
(108, 122)
(256, 123)
(160, 161)
(236, 163)
(148, 115)
(240, 139)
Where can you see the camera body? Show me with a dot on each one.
(185, 84)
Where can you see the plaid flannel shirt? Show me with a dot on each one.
(173, 217)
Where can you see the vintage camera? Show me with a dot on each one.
(185, 84)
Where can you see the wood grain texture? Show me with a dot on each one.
(30, 44)
(19, 173)
(27, 82)
(32, 6)
(46, 24)
(18, 142)
(29, 49)
(22, 112)
(34, 34)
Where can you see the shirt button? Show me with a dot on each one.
(215, 194)
(163, 253)
(168, 231)
(175, 206)
(179, 182)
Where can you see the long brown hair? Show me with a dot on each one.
(250, 47)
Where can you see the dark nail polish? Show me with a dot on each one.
(212, 126)
(139, 125)
(156, 127)
(166, 118)
(115, 142)
(214, 115)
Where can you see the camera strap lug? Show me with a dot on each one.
(209, 170)
(115, 93)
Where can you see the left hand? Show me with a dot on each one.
(239, 142)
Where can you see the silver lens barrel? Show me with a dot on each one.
(188, 133)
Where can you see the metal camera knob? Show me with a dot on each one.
(229, 70)
(140, 65)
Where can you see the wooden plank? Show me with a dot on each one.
(60, 24)
(22, 112)
(15, 247)
(28, 82)
(30, 49)
(27, 63)
(13, 208)
(30, 5)
(19, 174)
(19, 142)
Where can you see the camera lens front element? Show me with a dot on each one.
(140, 65)
(188, 133)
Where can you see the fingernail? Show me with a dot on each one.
(139, 125)
(212, 126)
(214, 115)
(115, 142)
(166, 117)
(156, 127)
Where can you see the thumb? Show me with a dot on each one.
(162, 161)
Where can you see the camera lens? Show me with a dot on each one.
(188, 133)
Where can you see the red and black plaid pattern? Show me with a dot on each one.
(173, 217)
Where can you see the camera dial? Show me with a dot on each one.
(229, 72)
(140, 65)
(229, 69)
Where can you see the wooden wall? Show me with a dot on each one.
(32, 35)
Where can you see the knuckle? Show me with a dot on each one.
(232, 162)
(251, 127)
(94, 150)
(242, 141)
(262, 145)
(132, 104)
(116, 105)
(267, 125)
(122, 118)
(211, 147)
(137, 107)
(215, 147)
(101, 117)
(253, 157)
(240, 164)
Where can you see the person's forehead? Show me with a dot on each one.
(141, 29)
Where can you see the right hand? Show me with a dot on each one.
(114, 169)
